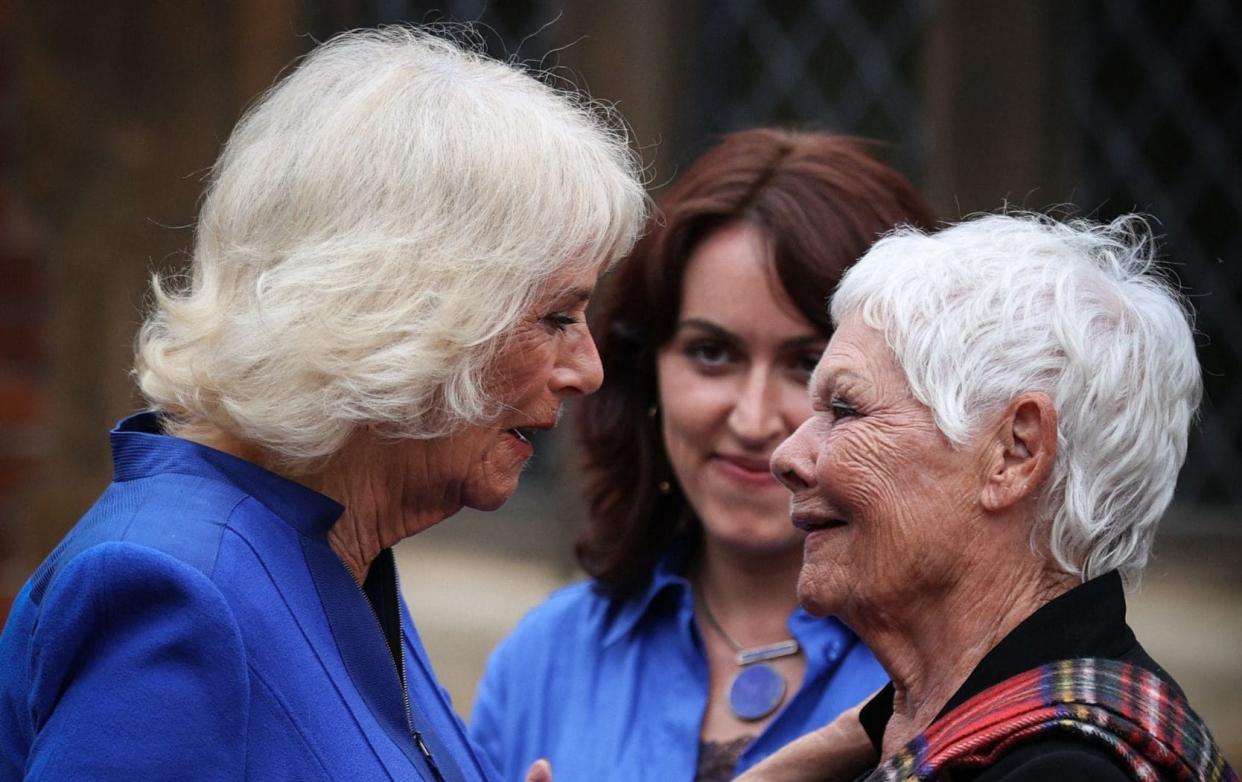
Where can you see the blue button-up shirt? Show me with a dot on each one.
(617, 689)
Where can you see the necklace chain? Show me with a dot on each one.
(758, 689)
(754, 654)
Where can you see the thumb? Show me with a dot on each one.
(539, 771)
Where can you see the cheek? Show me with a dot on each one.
(691, 405)
(530, 381)
(522, 370)
(466, 457)
(857, 470)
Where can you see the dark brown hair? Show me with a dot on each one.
(822, 200)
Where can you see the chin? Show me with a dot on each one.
(491, 498)
(779, 544)
(817, 595)
(489, 502)
(762, 531)
(757, 543)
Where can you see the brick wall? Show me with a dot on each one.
(23, 414)
(23, 349)
(109, 115)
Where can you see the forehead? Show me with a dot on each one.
(575, 281)
(730, 277)
(856, 353)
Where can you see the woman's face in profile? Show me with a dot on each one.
(732, 386)
(549, 358)
(888, 502)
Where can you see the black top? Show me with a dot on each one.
(1087, 621)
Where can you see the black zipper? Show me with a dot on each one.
(398, 664)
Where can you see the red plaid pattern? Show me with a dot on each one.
(1125, 709)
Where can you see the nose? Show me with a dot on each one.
(756, 416)
(792, 461)
(580, 371)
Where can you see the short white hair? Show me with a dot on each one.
(375, 225)
(999, 305)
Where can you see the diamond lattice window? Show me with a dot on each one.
(1157, 95)
(846, 66)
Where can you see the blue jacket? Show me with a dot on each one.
(616, 690)
(195, 624)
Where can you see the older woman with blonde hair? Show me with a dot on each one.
(387, 294)
(998, 425)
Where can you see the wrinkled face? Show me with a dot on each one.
(549, 358)
(732, 385)
(889, 505)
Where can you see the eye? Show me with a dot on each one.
(803, 364)
(561, 321)
(708, 354)
(842, 409)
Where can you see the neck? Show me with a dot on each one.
(217, 439)
(751, 595)
(361, 534)
(390, 491)
(929, 647)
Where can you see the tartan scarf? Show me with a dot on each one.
(1129, 711)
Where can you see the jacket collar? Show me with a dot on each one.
(1087, 621)
(140, 449)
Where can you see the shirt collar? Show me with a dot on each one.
(667, 576)
(1087, 621)
(140, 449)
(823, 640)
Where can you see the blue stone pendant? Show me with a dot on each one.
(756, 691)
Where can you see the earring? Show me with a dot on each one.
(664, 486)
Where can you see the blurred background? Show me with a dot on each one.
(111, 113)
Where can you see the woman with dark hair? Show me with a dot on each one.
(686, 657)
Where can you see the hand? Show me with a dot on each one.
(539, 771)
(836, 752)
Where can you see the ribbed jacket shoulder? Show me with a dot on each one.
(194, 624)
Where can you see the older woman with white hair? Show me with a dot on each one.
(998, 424)
(387, 292)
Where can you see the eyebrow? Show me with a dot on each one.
(820, 379)
(570, 297)
(720, 332)
(812, 387)
(577, 295)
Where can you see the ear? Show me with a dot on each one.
(1025, 448)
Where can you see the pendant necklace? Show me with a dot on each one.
(758, 689)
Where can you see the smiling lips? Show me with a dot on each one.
(746, 470)
(756, 472)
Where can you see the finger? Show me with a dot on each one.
(837, 751)
(540, 771)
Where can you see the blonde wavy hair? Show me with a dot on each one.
(375, 225)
